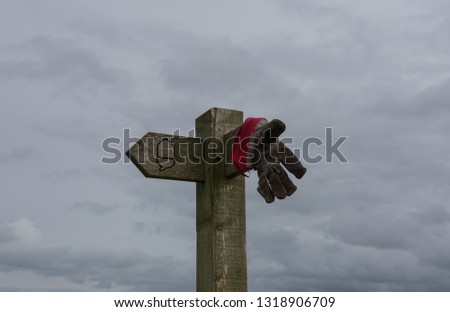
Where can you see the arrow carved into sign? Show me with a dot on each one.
(165, 154)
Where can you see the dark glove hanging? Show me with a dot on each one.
(259, 148)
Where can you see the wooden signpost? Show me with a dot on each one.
(220, 193)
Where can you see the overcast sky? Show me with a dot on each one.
(73, 73)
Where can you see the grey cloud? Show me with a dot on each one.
(100, 28)
(226, 73)
(93, 207)
(142, 227)
(434, 215)
(379, 229)
(6, 235)
(316, 263)
(74, 129)
(435, 254)
(102, 269)
(19, 154)
(129, 269)
(216, 68)
(58, 175)
(420, 105)
(170, 215)
(22, 231)
(61, 60)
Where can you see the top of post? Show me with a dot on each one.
(217, 121)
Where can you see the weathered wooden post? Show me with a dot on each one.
(221, 234)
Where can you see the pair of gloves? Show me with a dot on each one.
(257, 147)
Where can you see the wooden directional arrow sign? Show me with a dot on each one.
(167, 156)
(220, 193)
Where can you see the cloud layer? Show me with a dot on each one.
(73, 74)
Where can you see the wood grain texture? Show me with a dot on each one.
(230, 169)
(221, 230)
(166, 156)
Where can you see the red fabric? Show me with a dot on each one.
(240, 145)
